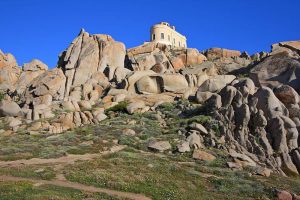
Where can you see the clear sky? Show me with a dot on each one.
(42, 29)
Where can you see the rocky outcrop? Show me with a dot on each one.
(256, 123)
(258, 118)
(9, 71)
(89, 55)
(281, 67)
(29, 72)
(215, 53)
(162, 59)
(49, 83)
(228, 61)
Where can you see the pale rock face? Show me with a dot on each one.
(84, 104)
(174, 82)
(35, 65)
(30, 72)
(100, 117)
(269, 103)
(135, 77)
(119, 97)
(276, 70)
(150, 84)
(9, 108)
(194, 141)
(9, 71)
(159, 146)
(202, 155)
(216, 83)
(193, 57)
(214, 53)
(49, 83)
(89, 54)
(183, 147)
(198, 127)
(135, 107)
(14, 122)
(128, 132)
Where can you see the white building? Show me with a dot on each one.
(166, 34)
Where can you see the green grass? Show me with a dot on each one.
(23, 190)
(160, 176)
(120, 107)
(24, 146)
(134, 172)
(37, 172)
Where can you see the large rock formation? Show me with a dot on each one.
(259, 117)
(9, 71)
(281, 67)
(256, 123)
(90, 55)
(29, 72)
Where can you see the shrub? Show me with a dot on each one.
(166, 107)
(1, 96)
(120, 107)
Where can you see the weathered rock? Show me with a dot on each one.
(30, 72)
(269, 103)
(14, 122)
(296, 158)
(276, 70)
(150, 84)
(51, 82)
(159, 146)
(198, 127)
(9, 71)
(242, 159)
(119, 97)
(89, 54)
(216, 83)
(202, 155)
(215, 53)
(9, 108)
(174, 82)
(135, 106)
(214, 102)
(287, 164)
(263, 171)
(131, 80)
(283, 195)
(234, 165)
(183, 147)
(202, 97)
(128, 132)
(194, 140)
(286, 94)
(84, 104)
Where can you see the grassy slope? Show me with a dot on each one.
(135, 169)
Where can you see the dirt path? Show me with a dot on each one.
(69, 159)
(78, 186)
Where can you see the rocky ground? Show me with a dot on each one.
(151, 122)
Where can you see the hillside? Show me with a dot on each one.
(151, 122)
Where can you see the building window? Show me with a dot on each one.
(169, 38)
(179, 43)
(162, 36)
(153, 37)
(174, 41)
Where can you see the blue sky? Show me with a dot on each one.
(42, 29)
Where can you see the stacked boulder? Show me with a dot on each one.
(9, 72)
(257, 124)
(259, 116)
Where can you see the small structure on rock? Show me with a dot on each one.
(164, 33)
